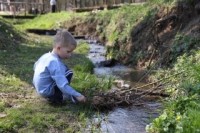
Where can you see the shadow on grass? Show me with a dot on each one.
(20, 62)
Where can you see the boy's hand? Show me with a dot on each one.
(81, 99)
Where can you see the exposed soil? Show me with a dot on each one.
(80, 27)
(13, 100)
(159, 33)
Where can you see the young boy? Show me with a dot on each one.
(51, 76)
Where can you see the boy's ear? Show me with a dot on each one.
(58, 47)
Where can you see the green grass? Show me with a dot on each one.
(117, 24)
(83, 48)
(27, 112)
(37, 116)
(194, 120)
(183, 106)
(47, 21)
(9, 36)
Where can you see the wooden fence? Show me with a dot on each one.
(78, 4)
(44, 5)
(23, 7)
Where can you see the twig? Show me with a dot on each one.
(122, 92)
(141, 96)
(151, 58)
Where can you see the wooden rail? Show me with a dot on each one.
(89, 4)
(26, 6)
(21, 8)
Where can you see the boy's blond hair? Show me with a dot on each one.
(64, 38)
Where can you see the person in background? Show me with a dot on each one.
(51, 76)
(11, 5)
(53, 5)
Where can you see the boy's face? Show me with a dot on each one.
(64, 52)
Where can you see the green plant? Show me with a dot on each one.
(83, 48)
(183, 44)
(47, 21)
(184, 100)
(194, 121)
(2, 106)
(12, 124)
(173, 118)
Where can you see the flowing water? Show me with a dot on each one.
(131, 119)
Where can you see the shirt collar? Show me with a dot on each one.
(54, 54)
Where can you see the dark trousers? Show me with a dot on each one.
(57, 97)
(53, 8)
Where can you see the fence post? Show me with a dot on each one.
(65, 5)
(42, 6)
(25, 7)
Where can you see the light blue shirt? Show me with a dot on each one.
(50, 71)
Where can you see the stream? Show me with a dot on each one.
(131, 119)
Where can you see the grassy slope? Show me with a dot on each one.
(21, 110)
(47, 21)
(9, 36)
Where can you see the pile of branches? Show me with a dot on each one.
(132, 96)
(126, 97)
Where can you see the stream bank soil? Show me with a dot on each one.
(154, 39)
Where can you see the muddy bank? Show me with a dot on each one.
(156, 40)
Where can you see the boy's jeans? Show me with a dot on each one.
(58, 96)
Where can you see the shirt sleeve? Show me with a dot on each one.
(57, 72)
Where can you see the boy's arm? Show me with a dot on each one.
(58, 75)
(66, 89)
(75, 96)
(63, 84)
